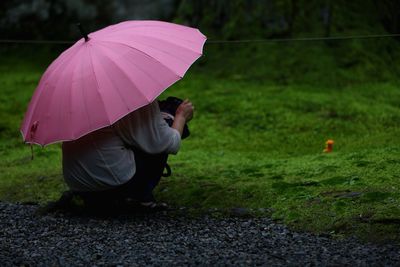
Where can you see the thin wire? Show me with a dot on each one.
(11, 41)
(211, 41)
(305, 39)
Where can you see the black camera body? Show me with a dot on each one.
(168, 109)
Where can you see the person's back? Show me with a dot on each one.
(108, 158)
(97, 161)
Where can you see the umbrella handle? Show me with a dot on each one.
(83, 32)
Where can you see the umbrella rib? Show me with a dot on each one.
(147, 74)
(68, 57)
(164, 25)
(159, 32)
(146, 55)
(70, 98)
(119, 93)
(98, 86)
(84, 100)
(50, 93)
(163, 51)
(167, 41)
(33, 105)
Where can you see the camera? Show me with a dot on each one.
(168, 109)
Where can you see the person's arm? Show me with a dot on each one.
(147, 130)
(184, 113)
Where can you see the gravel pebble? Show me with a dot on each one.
(27, 239)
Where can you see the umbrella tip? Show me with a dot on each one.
(83, 32)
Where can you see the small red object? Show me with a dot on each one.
(329, 146)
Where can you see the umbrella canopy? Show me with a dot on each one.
(117, 70)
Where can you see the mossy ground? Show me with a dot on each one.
(256, 141)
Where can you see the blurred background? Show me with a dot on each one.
(224, 20)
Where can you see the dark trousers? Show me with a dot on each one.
(149, 169)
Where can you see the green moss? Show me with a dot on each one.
(260, 127)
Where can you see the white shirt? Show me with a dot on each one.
(102, 159)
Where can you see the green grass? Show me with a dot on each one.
(255, 142)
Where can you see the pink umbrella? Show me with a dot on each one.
(107, 75)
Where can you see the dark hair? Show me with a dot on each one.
(169, 106)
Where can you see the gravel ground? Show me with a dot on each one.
(27, 239)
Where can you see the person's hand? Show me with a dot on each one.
(185, 110)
